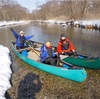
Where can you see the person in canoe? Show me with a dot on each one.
(47, 54)
(64, 46)
(20, 39)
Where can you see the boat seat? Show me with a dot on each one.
(27, 49)
(38, 49)
(32, 55)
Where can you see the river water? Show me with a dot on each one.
(86, 42)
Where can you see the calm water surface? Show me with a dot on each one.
(85, 41)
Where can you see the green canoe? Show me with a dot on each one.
(74, 74)
(84, 61)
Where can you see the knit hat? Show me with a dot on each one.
(62, 35)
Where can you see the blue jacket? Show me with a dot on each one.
(44, 53)
(17, 36)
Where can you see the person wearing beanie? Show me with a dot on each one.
(20, 39)
(64, 46)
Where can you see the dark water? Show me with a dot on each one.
(85, 41)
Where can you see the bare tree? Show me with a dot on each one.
(11, 10)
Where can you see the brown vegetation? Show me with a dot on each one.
(11, 10)
(71, 9)
(60, 9)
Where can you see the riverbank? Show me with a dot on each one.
(10, 23)
(87, 24)
(83, 22)
(31, 83)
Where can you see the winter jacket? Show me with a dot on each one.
(45, 54)
(17, 36)
(60, 48)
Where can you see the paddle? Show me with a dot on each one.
(20, 50)
(34, 50)
(29, 44)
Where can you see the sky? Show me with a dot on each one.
(31, 4)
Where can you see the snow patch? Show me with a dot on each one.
(5, 71)
(88, 22)
(10, 23)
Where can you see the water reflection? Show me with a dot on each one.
(85, 41)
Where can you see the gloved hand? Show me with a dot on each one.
(11, 29)
(75, 53)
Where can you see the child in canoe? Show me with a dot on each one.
(47, 54)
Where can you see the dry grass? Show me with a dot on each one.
(50, 86)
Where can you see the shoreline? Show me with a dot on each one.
(11, 23)
(63, 23)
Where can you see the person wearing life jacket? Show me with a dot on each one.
(64, 46)
(47, 54)
(20, 39)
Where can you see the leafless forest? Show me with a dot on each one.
(10, 10)
(53, 9)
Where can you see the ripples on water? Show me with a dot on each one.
(85, 41)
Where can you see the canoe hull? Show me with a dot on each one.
(92, 63)
(77, 75)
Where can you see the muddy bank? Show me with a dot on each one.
(31, 83)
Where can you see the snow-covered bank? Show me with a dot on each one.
(5, 71)
(81, 22)
(88, 22)
(50, 21)
(9, 23)
(92, 24)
